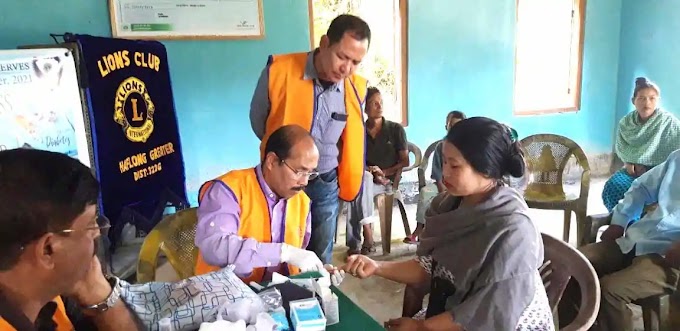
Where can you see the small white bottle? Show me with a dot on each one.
(330, 306)
(165, 324)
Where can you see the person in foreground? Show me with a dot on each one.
(644, 139)
(320, 91)
(480, 250)
(635, 260)
(50, 278)
(258, 219)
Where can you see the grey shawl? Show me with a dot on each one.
(493, 251)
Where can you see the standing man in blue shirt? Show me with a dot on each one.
(638, 259)
(320, 91)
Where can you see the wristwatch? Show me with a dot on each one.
(109, 302)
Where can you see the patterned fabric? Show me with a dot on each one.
(647, 143)
(189, 302)
(615, 187)
(536, 317)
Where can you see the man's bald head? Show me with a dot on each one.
(284, 139)
(290, 159)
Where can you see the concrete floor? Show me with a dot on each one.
(383, 299)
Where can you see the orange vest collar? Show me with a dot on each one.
(255, 219)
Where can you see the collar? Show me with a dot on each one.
(312, 74)
(384, 124)
(17, 319)
(268, 192)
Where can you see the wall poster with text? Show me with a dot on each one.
(40, 104)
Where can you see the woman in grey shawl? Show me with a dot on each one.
(480, 251)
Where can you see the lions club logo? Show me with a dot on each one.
(134, 110)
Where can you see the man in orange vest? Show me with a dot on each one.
(257, 219)
(319, 91)
(49, 229)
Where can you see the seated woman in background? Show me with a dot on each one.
(427, 193)
(386, 156)
(480, 251)
(644, 139)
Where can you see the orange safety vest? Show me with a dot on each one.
(59, 317)
(255, 218)
(290, 95)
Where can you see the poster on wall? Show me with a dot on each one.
(137, 150)
(40, 104)
(187, 19)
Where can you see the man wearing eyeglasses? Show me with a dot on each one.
(50, 278)
(258, 219)
(320, 91)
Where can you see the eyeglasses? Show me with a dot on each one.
(100, 226)
(301, 174)
(101, 223)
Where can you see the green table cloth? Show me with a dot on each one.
(352, 317)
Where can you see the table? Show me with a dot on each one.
(352, 317)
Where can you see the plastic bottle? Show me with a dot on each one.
(330, 306)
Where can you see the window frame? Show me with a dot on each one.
(403, 74)
(576, 68)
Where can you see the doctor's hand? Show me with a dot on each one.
(360, 266)
(303, 259)
(337, 275)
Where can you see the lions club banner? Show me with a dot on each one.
(137, 149)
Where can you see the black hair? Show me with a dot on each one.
(371, 92)
(642, 83)
(488, 147)
(40, 192)
(351, 24)
(456, 114)
(283, 139)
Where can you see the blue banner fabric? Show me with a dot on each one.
(137, 150)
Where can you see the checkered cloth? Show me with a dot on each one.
(647, 143)
(189, 302)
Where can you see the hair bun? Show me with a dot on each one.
(641, 81)
(516, 164)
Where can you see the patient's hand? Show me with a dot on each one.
(612, 233)
(404, 323)
(360, 266)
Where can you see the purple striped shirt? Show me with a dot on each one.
(217, 231)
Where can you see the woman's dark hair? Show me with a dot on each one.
(456, 114)
(642, 83)
(488, 146)
(371, 92)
